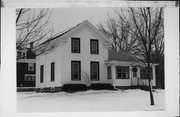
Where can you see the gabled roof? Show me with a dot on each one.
(120, 55)
(53, 42)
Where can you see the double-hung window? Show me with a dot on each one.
(75, 70)
(41, 73)
(52, 71)
(75, 45)
(94, 46)
(94, 70)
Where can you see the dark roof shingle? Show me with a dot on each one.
(120, 56)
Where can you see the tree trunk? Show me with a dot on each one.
(150, 87)
(151, 94)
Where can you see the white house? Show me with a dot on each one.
(82, 55)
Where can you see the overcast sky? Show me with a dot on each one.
(64, 18)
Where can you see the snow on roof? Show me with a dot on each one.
(120, 56)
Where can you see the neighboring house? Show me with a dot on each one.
(26, 67)
(82, 54)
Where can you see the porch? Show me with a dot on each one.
(125, 74)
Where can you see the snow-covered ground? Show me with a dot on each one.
(92, 100)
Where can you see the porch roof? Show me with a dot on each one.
(121, 56)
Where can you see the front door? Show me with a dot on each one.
(134, 76)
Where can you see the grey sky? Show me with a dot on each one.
(64, 18)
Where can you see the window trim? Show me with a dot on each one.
(72, 46)
(52, 71)
(97, 71)
(41, 73)
(79, 63)
(122, 72)
(91, 43)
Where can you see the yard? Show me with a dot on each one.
(91, 100)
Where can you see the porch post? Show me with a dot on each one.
(130, 74)
(113, 71)
(139, 75)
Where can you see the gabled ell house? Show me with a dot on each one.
(83, 55)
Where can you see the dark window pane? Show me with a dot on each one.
(52, 71)
(119, 75)
(94, 46)
(75, 70)
(75, 45)
(94, 70)
(41, 73)
(122, 72)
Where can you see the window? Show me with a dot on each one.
(109, 72)
(52, 71)
(30, 66)
(122, 72)
(23, 54)
(75, 45)
(18, 54)
(29, 77)
(41, 73)
(94, 70)
(75, 70)
(144, 73)
(94, 46)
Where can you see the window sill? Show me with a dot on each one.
(95, 80)
(94, 54)
(75, 80)
(122, 78)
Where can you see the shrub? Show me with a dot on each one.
(74, 87)
(101, 86)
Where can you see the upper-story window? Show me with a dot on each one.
(94, 46)
(75, 45)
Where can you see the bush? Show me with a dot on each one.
(74, 87)
(101, 86)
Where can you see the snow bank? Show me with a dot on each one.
(91, 100)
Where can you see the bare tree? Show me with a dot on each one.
(118, 31)
(32, 25)
(87, 79)
(145, 30)
(148, 22)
